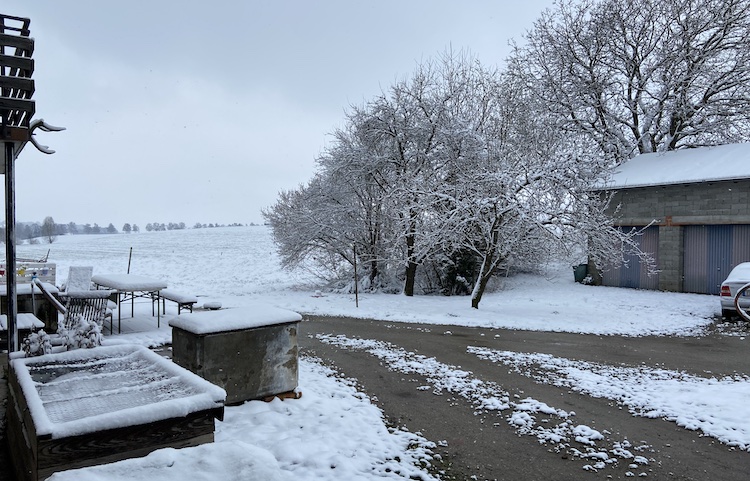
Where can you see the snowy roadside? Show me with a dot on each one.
(281, 439)
(552, 303)
(281, 431)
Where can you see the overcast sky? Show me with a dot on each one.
(186, 111)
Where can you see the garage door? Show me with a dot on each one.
(632, 273)
(710, 252)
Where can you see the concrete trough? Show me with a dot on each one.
(251, 352)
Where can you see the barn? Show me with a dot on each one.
(694, 207)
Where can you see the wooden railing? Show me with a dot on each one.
(26, 271)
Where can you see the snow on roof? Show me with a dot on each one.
(703, 164)
(258, 315)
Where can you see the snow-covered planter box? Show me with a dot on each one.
(96, 406)
(251, 353)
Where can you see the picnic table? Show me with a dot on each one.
(128, 287)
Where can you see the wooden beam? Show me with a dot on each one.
(16, 112)
(21, 63)
(14, 134)
(23, 43)
(17, 85)
(23, 29)
(21, 105)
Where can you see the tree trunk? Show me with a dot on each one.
(482, 279)
(411, 265)
(373, 272)
(484, 276)
(411, 274)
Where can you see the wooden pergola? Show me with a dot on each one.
(16, 129)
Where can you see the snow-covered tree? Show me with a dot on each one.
(458, 170)
(376, 174)
(49, 230)
(308, 228)
(642, 75)
(414, 131)
(521, 189)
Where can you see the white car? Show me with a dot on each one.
(739, 277)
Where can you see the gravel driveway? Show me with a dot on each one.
(483, 443)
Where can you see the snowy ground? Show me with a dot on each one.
(238, 267)
(331, 433)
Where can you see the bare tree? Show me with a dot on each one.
(417, 129)
(49, 230)
(643, 75)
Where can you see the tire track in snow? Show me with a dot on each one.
(716, 407)
(553, 427)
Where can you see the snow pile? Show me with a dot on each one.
(88, 390)
(233, 319)
(228, 461)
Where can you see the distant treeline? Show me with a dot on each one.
(48, 230)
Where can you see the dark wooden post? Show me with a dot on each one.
(16, 110)
(10, 248)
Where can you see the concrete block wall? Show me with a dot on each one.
(672, 207)
(695, 204)
(671, 258)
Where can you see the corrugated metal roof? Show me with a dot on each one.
(703, 164)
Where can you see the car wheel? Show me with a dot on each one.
(727, 314)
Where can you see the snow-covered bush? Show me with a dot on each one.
(84, 334)
(88, 334)
(37, 344)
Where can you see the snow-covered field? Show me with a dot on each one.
(237, 265)
(334, 432)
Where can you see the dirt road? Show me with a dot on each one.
(483, 444)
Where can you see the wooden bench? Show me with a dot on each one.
(185, 301)
(26, 323)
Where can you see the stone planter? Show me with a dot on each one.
(251, 353)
